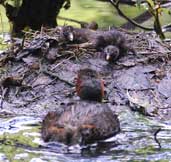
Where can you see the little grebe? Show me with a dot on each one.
(89, 85)
(111, 53)
(83, 123)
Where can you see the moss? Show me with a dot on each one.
(18, 139)
(11, 152)
(146, 150)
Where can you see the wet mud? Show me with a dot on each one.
(32, 84)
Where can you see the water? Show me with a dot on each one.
(20, 139)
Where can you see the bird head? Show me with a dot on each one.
(111, 53)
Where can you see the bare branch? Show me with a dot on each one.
(116, 5)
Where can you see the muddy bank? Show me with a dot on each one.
(41, 79)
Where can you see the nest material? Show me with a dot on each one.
(46, 66)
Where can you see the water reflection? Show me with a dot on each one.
(17, 124)
(135, 142)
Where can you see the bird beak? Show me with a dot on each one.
(71, 37)
(107, 57)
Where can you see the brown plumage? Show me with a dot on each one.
(83, 123)
(89, 85)
(96, 39)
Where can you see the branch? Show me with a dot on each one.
(127, 2)
(157, 24)
(139, 19)
(116, 5)
(166, 28)
(47, 72)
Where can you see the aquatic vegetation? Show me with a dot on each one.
(14, 145)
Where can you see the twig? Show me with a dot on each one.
(4, 91)
(23, 41)
(27, 102)
(139, 19)
(157, 24)
(152, 53)
(61, 62)
(155, 137)
(46, 71)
